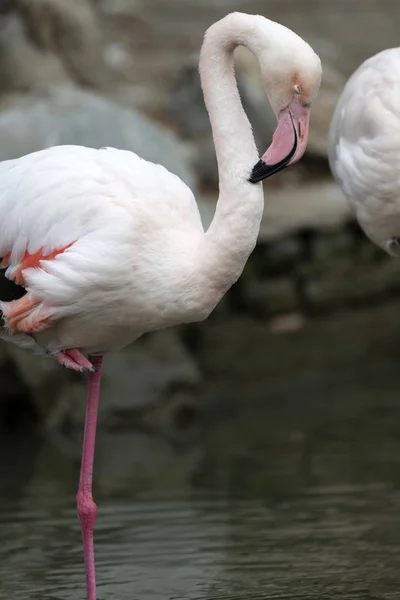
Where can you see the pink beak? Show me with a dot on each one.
(289, 142)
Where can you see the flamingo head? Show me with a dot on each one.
(292, 76)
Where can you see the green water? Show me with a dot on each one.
(287, 502)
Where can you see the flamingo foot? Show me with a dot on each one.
(73, 359)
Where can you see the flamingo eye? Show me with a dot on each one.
(297, 89)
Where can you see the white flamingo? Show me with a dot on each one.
(364, 147)
(100, 246)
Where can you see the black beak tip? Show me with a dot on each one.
(259, 172)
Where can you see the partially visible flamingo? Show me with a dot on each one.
(100, 246)
(364, 147)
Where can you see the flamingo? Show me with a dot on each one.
(364, 146)
(99, 246)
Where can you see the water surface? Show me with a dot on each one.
(284, 503)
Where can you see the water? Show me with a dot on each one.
(288, 501)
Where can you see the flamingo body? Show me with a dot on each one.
(130, 230)
(364, 147)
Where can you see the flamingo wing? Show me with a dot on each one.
(75, 223)
(363, 142)
(51, 202)
(364, 145)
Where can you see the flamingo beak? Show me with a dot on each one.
(289, 142)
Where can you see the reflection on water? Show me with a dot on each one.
(291, 502)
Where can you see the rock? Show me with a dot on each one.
(166, 377)
(282, 254)
(16, 408)
(329, 245)
(153, 382)
(50, 41)
(354, 285)
(273, 296)
(186, 105)
(22, 63)
(287, 323)
(6, 6)
(319, 206)
(64, 115)
(70, 30)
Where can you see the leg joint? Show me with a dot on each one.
(87, 508)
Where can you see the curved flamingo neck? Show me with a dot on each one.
(233, 139)
(233, 232)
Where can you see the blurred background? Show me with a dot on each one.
(255, 455)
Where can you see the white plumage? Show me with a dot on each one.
(364, 147)
(134, 228)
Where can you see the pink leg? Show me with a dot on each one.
(86, 507)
